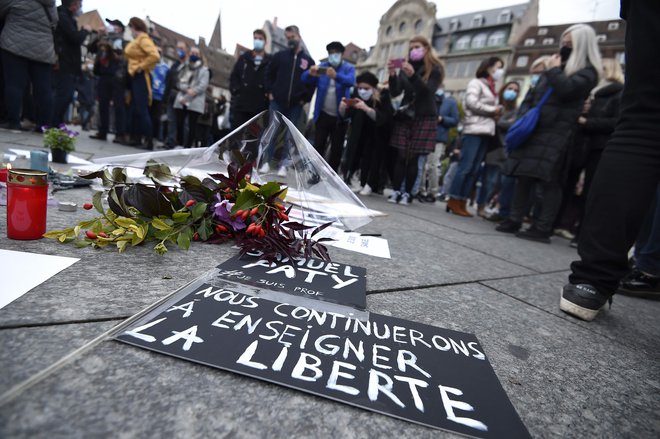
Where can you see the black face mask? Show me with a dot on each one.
(293, 44)
(565, 53)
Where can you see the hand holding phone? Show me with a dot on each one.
(396, 63)
(322, 70)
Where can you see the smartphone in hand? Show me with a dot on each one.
(396, 63)
(322, 70)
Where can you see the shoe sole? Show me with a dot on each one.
(569, 307)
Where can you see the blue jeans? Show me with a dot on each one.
(18, 71)
(507, 187)
(63, 88)
(421, 163)
(489, 176)
(140, 106)
(473, 151)
(647, 246)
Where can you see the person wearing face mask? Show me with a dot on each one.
(481, 110)
(448, 118)
(285, 90)
(369, 112)
(108, 68)
(171, 90)
(68, 40)
(413, 135)
(142, 56)
(189, 102)
(158, 84)
(246, 82)
(540, 164)
(333, 80)
(495, 158)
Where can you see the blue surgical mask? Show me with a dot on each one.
(534, 79)
(509, 95)
(365, 93)
(334, 59)
(194, 58)
(258, 45)
(439, 92)
(181, 53)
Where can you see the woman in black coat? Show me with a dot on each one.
(540, 160)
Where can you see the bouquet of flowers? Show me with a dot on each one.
(60, 138)
(217, 209)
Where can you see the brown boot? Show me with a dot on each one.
(456, 207)
(464, 210)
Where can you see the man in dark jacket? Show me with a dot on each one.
(67, 44)
(248, 94)
(286, 92)
(172, 89)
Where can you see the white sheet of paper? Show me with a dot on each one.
(72, 158)
(20, 272)
(352, 241)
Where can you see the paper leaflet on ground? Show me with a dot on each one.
(279, 153)
(20, 272)
(71, 158)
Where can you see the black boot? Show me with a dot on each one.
(508, 226)
(534, 234)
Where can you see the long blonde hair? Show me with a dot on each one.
(612, 70)
(430, 58)
(585, 49)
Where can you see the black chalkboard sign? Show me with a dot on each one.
(310, 278)
(432, 376)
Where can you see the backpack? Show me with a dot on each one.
(525, 125)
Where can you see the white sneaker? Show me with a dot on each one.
(282, 171)
(406, 199)
(265, 168)
(394, 197)
(366, 190)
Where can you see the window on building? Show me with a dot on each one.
(479, 41)
(419, 24)
(613, 25)
(529, 42)
(463, 43)
(388, 32)
(505, 16)
(478, 20)
(453, 24)
(381, 75)
(601, 38)
(384, 51)
(548, 41)
(450, 71)
(402, 27)
(522, 61)
(543, 31)
(497, 38)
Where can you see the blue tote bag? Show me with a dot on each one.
(524, 126)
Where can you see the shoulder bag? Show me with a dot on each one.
(523, 128)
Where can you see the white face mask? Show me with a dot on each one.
(365, 93)
(499, 74)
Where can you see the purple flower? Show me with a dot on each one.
(222, 212)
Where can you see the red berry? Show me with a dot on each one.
(90, 234)
(245, 215)
(254, 211)
(196, 237)
(262, 233)
(250, 228)
(281, 207)
(220, 228)
(239, 212)
(103, 235)
(190, 203)
(88, 206)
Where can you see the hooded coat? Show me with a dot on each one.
(28, 32)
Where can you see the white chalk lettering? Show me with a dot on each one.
(397, 332)
(341, 283)
(288, 334)
(375, 357)
(375, 387)
(328, 349)
(288, 270)
(225, 318)
(260, 263)
(137, 331)
(270, 325)
(187, 307)
(450, 405)
(461, 347)
(332, 267)
(407, 358)
(446, 346)
(413, 383)
(311, 274)
(302, 365)
(189, 335)
(246, 357)
(347, 272)
(415, 336)
(247, 321)
(279, 361)
(358, 352)
(335, 373)
(477, 353)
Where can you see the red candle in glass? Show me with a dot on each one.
(27, 198)
(3, 175)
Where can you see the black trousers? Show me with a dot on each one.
(330, 126)
(629, 170)
(183, 138)
(551, 194)
(110, 89)
(406, 169)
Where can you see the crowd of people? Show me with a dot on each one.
(404, 133)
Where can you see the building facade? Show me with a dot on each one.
(464, 41)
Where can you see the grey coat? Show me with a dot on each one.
(28, 32)
(196, 78)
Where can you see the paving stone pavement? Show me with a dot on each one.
(565, 377)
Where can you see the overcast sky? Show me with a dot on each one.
(320, 22)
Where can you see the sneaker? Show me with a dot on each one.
(508, 226)
(406, 199)
(582, 301)
(534, 234)
(573, 243)
(564, 234)
(282, 171)
(496, 218)
(366, 190)
(395, 197)
(265, 168)
(640, 284)
(421, 198)
(15, 129)
(430, 198)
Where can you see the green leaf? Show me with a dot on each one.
(55, 234)
(159, 224)
(205, 229)
(269, 189)
(160, 248)
(116, 202)
(180, 217)
(157, 171)
(81, 243)
(125, 222)
(148, 200)
(96, 201)
(162, 234)
(119, 175)
(198, 210)
(121, 246)
(183, 239)
(245, 200)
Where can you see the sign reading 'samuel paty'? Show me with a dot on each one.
(432, 376)
(310, 278)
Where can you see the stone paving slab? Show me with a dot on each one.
(564, 380)
(631, 320)
(27, 350)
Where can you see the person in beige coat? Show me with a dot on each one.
(481, 109)
(189, 102)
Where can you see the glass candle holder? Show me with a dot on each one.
(27, 199)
